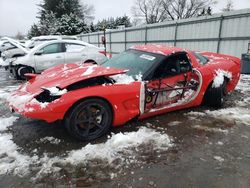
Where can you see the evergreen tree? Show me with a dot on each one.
(113, 23)
(62, 17)
(71, 24)
(34, 31)
(60, 8)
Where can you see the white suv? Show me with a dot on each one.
(51, 53)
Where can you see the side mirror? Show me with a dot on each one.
(39, 52)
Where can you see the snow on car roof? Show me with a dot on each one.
(158, 49)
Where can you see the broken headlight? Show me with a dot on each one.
(50, 94)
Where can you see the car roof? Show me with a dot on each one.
(61, 40)
(158, 49)
(54, 37)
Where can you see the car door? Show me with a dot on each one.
(49, 56)
(74, 52)
(173, 83)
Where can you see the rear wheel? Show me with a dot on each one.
(89, 119)
(215, 97)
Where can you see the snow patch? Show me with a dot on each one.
(54, 91)
(123, 79)
(118, 146)
(11, 161)
(174, 123)
(219, 158)
(113, 148)
(48, 139)
(219, 77)
(89, 71)
(20, 101)
(210, 129)
(7, 122)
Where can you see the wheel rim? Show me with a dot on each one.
(90, 120)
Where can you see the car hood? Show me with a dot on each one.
(64, 75)
(18, 45)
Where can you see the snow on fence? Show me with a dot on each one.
(227, 33)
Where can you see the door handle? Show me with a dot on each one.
(58, 56)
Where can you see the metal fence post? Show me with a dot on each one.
(88, 38)
(110, 42)
(219, 35)
(125, 39)
(98, 40)
(146, 35)
(175, 33)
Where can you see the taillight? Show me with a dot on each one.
(108, 55)
(103, 52)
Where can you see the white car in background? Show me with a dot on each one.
(13, 49)
(51, 53)
(38, 40)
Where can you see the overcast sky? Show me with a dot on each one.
(19, 15)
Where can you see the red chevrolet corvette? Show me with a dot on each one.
(141, 82)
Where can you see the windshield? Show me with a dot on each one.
(137, 62)
(201, 59)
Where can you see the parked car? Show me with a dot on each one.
(142, 82)
(51, 53)
(13, 49)
(7, 43)
(38, 40)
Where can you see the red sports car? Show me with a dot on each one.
(141, 82)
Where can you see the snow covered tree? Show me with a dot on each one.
(60, 7)
(34, 31)
(66, 17)
(49, 24)
(113, 23)
(71, 25)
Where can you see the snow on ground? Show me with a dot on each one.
(5, 92)
(118, 146)
(49, 139)
(240, 113)
(6, 122)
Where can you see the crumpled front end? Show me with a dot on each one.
(33, 105)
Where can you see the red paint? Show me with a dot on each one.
(124, 99)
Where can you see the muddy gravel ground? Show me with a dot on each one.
(198, 147)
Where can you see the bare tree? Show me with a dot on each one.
(181, 9)
(88, 12)
(229, 6)
(154, 11)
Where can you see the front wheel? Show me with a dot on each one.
(89, 119)
(21, 71)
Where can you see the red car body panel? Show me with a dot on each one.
(126, 100)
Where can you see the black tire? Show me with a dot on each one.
(21, 71)
(215, 97)
(89, 119)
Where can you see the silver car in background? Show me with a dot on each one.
(51, 53)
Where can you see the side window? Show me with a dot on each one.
(52, 49)
(70, 47)
(173, 65)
